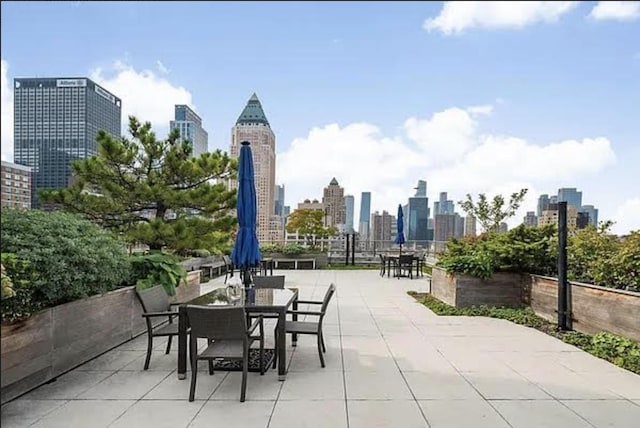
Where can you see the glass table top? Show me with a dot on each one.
(258, 297)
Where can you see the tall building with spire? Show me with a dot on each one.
(333, 200)
(252, 126)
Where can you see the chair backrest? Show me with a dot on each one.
(217, 323)
(227, 260)
(327, 298)
(406, 259)
(276, 281)
(381, 258)
(153, 299)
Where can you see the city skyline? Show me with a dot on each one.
(484, 102)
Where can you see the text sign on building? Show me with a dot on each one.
(105, 94)
(71, 83)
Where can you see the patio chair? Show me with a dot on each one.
(227, 336)
(404, 263)
(228, 267)
(383, 267)
(315, 328)
(155, 304)
(276, 281)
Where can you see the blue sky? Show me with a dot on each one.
(377, 94)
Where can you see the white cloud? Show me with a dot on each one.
(162, 68)
(616, 10)
(444, 149)
(144, 94)
(7, 114)
(457, 16)
(627, 217)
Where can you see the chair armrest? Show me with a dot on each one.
(159, 314)
(310, 302)
(257, 322)
(305, 313)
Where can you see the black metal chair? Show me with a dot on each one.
(405, 263)
(225, 329)
(315, 328)
(155, 304)
(228, 267)
(383, 266)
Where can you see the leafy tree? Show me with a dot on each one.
(310, 224)
(153, 192)
(491, 213)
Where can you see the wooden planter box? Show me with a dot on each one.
(57, 339)
(595, 308)
(502, 289)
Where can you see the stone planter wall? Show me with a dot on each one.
(322, 259)
(58, 339)
(502, 289)
(595, 308)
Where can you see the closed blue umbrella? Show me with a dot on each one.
(246, 251)
(400, 226)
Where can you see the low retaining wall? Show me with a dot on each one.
(322, 260)
(594, 308)
(502, 289)
(57, 339)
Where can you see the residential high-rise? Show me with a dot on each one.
(530, 219)
(443, 205)
(571, 196)
(543, 204)
(458, 231)
(592, 212)
(16, 185)
(381, 228)
(365, 215)
(348, 209)
(503, 227)
(444, 227)
(252, 126)
(469, 226)
(279, 201)
(333, 199)
(56, 121)
(189, 124)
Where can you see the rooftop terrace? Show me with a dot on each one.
(391, 362)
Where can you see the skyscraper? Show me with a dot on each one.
(530, 219)
(543, 204)
(365, 215)
(56, 121)
(348, 209)
(279, 201)
(189, 124)
(443, 205)
(469, 225)
(381, 228)
(333, 199)
(417, 214)
(571, 196)
(444, 227)
(592, 212)
(252, 126)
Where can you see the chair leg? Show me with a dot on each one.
(275, 351)
(194, 374)
(324, 348)
(320, 350)
(245, 369)
(210, 367)
(261, 355)
(168, 345)
(149, 347)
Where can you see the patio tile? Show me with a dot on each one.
(385, 414)
(461, 414)
(159, 362)
(538, 413)
(69, 385)
(623, 383)
(607, 413)
(313, 386)
(376, 386)
(561, 383)
(24, 412)
(159, 414)
(171, 388)
(250, 414)
(112, 360)
(512, 387)
(85, 413)
(259, 388)
(440, 386)
(309, 414)
(124, 386)
(358, 329)
(307, 360)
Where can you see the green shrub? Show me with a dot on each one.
(271, 248)
(625, 265)
(293, 249)
(149, 270)
(67, 258)
(18, 304)
(201, 253)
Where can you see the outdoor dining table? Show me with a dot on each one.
(262, 300)
(391, 257)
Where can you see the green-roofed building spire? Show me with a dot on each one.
(253, 113)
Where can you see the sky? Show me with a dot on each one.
(473, 97)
